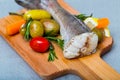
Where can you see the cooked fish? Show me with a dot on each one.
(81, 45)
(72, 30)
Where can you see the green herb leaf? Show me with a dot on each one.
(57, 40)
(27, 32)
(52, 56)
(83, 16)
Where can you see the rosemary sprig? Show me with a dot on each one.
(52, 56)
(57, 40)
(83, 16)
(27, 32)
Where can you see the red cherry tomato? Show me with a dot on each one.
(39, 44)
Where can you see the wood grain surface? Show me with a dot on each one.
(89, 68)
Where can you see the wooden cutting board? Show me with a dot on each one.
(89, 68)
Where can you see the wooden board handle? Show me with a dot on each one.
(92, 68)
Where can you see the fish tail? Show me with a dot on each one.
(29, 4)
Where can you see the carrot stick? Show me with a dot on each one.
(14, 28)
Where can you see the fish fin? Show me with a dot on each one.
(29, 4)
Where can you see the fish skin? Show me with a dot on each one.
(70, 26)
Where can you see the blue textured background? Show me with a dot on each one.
(13, 67)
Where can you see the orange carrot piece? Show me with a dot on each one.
(14, 28)
(103, 22)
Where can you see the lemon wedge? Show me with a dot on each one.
(107, 32)
(91, 22)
